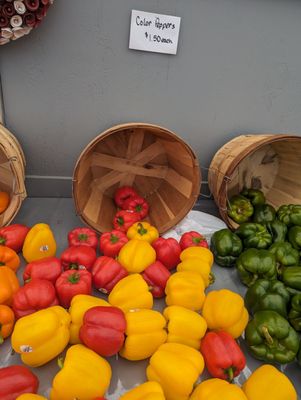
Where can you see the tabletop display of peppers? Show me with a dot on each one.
(131, 266)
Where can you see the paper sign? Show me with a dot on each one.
(154, 32)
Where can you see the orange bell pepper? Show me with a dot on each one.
(4, 201)
(9, 258)
(7, 320)
(9, 285)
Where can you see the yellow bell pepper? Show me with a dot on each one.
(217, 389)
(39, 243)
(268, 383)
(143, 231)
(185, 289)
(224, 310)
(176, 367)
(199, 266)
(85, 375)
(79, 305)
(131, 293)
(41, 336)
(198, 252)
(136, 255)
(144, 334)
(31, 396)
(185, 326)
(146, 391)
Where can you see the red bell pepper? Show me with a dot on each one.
(223, 356)
(13, 236)
(168, 251)
(111, 242)
(78, 257)
(71, 283)
(156, 276)
(34, 296)
(49, 268)
(16, 380)
(103, 330)
(192, 239)
(124, 219)
(106, 272)
(83, 237)
(122, 194)
(137, 204)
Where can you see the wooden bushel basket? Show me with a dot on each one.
(12, 174)
(157, 163)
(271, 163)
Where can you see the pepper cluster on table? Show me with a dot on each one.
(56, 309)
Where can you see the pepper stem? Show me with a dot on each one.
(267, 336)
(73, 266)
(2, 240)
(196, 240)
(74, 278)
(211, 278)
(1, 339)
(60, 362)
(230, 374)
(141, 230)
(114, 239)
(82, 237)
(2, 264)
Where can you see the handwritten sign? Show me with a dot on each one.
(154, 32)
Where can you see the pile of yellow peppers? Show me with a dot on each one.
(171, 339)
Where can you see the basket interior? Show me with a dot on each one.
(273, 168)
(7, 182)
(160, 166)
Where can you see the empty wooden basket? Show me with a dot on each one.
(271, 163)
(12, 174)
(157, 163)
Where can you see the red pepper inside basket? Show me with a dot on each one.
(125, 219)
(122, 194)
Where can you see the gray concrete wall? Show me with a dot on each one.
(238, 70)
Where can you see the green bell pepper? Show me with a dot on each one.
(294, 315)
(285, 254)
(278, 230)
(290, 214)
(226, 247)
(254, 264)
(264, 213)
(240, 209)
(254, 235)
(254, 195)
(267, 295)
(291, 277)
(270, 338)
(294, 237)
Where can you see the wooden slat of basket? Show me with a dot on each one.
(128, 166)
(107, 181)
(134, 147)
(175, 149)
(93, 205)
(183, 185)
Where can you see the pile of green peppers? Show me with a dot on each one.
(266, 250)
